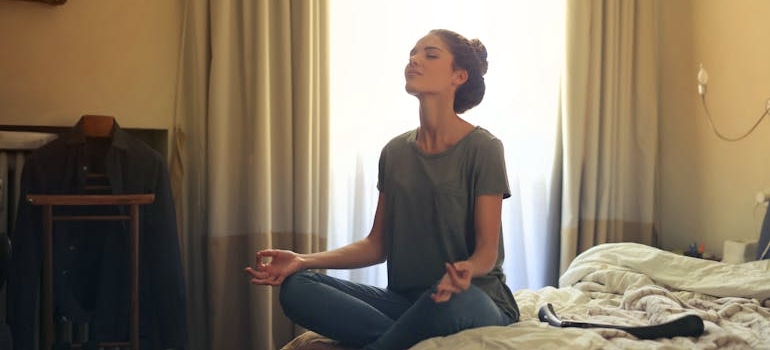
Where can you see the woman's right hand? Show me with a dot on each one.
(273, 266)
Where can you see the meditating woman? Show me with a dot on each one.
(437, 224)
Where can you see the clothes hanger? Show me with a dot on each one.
(97, 125)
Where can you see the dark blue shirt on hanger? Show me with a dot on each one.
(91, 258)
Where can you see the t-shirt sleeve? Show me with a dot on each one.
(381, 170)
(491, 175)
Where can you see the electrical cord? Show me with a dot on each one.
(713, 127)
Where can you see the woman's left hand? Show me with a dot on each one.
(456, 279)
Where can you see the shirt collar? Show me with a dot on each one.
(76, 136)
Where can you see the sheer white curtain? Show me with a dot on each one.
(369, 46)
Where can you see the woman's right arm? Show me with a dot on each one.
(282, 263)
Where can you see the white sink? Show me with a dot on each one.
(20, 140)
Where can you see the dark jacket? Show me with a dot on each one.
(91, 258)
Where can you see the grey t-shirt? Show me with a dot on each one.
(430, 202)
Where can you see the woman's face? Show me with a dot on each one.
(430, 69)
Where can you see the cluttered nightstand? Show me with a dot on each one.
(733, 252)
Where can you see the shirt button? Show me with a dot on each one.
(65, 273)
(71, 248)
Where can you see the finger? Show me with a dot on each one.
(259, 277)
(250, 271)
(456, 277)
(258, 274)
(265, 262)
(447, 288)
(268, 253)
(462, 274)
(462, 267)
(263, 255)
(266, 279)
(444, 299)
(261, 271)
(263, 252)
(274, 280)
(452, 271)
(278, 280)
(450, 290)
(262, 282)
(441, 297)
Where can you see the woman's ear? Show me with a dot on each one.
(460, 76)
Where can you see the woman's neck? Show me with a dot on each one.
(440, 128)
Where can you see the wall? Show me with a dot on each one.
(109, 57)
(707, 185)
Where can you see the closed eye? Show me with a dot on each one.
(432, 52)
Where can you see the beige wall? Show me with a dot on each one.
(113, 57)
(707, 185)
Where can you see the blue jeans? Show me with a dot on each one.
(379, 319)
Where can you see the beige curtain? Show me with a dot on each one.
(250, 158)
(609, 125)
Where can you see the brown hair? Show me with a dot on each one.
(470, 55)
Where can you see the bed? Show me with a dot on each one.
(629, 284)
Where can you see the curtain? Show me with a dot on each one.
(609, 125)
(249, 158)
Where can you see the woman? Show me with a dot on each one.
(437, 223)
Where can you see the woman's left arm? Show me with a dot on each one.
(488, 221)
(459, 274)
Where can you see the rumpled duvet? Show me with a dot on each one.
(632, 284)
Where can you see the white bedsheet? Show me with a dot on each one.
(632, 284)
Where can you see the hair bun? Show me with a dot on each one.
(481, 52)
